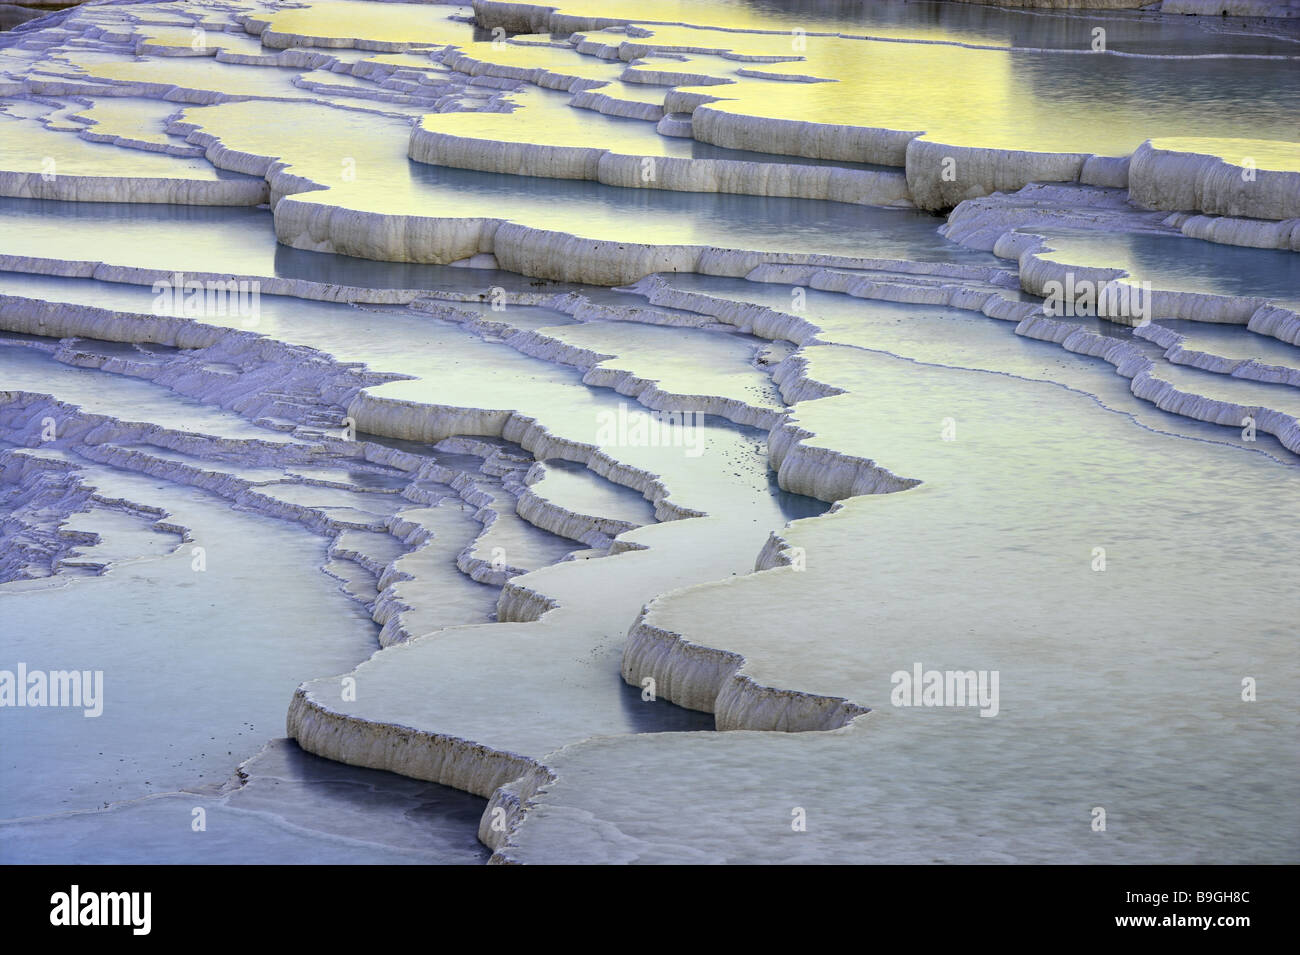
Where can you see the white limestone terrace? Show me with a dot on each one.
(740, 501)
(133, 124)
(1155, 362)
(1219, 291)
(875, 101)
(1098, 239)
(53, 523)
(233, 368)
(679, 171)
(366, 209)
(191, 52)
(543, 142)
(1095, 239)
(202, 79)
(1241, 208)
(350, 334)
(1221, 407)
(1248, 191)
(124, 780)
(544, 136)
(346, 507)
(1210, 402)
(414, 517)
(729, 684)
(496, 555)
(330, 736)
(692, 173)
(39, 163)
(258, 658)
(203, 243)
(301, 77)
(1089, 736)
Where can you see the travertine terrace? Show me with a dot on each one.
(656, 431)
